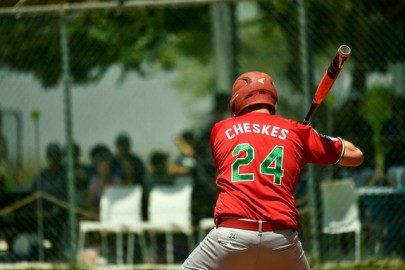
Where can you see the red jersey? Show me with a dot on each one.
(259, 158)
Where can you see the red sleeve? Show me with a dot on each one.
(323, 149)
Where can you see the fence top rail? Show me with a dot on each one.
(66, 7)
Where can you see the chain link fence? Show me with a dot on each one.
(53, 155)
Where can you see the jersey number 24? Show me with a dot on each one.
(271, 165)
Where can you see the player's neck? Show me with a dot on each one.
(261, 111)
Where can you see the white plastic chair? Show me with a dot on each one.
(204, 225)
(120, 212)
(341, 210)
(169, 213)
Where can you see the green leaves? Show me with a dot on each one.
(137, 39)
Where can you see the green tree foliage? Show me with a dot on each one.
(373, 29)
(136, 39)
(139, 39)
(377, 36)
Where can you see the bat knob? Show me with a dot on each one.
(344, 49)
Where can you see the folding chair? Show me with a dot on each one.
(120, 212)
(169, 213)
(341, 210)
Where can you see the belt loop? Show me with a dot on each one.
(260, 227)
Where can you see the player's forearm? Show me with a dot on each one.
(352, 157)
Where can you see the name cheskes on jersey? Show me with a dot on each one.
(248, 127)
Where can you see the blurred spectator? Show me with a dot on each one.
(185, 163)
(393, 135)
(126, 157)
(52, 180)
(97, 151)
(159, 175)
(204, 189)
(6, 173)
(81, 175)
(8, 226)
(128, 172)
(219, 111)
(104, 177)
(358, 130)
(7, 180)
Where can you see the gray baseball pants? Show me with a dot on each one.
(236, 249)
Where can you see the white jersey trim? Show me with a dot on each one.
(343, 150)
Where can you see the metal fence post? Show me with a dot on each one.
(69, 131)
(305, 69)
(222, 19)
(35, 116)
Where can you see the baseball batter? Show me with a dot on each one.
(259, 157)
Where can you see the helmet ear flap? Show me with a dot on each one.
(231, 107)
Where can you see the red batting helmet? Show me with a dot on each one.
(252, 88)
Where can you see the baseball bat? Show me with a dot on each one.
(326, 83)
